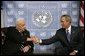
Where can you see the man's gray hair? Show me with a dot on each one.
(19, 19)
(67, 17)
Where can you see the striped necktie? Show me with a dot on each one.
(68, 35)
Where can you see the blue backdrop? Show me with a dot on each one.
(42, 18)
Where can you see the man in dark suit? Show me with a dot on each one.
(69, 36)
(16, 40)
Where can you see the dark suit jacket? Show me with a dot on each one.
(74, 44)
(14, 40)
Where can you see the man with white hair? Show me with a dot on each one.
(16, 40)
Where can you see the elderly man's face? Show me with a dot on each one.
(21, 25)
(64, 23)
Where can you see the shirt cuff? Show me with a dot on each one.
(76, 51)
(40, 41)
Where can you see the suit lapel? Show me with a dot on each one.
(65, 40)
(72, 32)
(64, 36)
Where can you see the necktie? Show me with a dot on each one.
(68, 35)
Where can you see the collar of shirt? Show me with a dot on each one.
(69, 29)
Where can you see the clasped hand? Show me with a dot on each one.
(34, 39)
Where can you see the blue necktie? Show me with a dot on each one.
(68, 35)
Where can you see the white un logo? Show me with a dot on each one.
(42, 18)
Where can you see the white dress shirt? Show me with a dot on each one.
(69, 29)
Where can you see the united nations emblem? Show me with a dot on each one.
(42, 18)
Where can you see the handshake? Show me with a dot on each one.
(34, 39)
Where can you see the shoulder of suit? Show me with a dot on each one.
(11, 28)
(76, 27)
(26, 31)
(61, 29)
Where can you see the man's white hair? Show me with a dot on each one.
(20, 19)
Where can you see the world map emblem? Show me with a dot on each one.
(42, 18)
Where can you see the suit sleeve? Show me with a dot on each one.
(50, 40)
(28, 36)
(80, 40)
